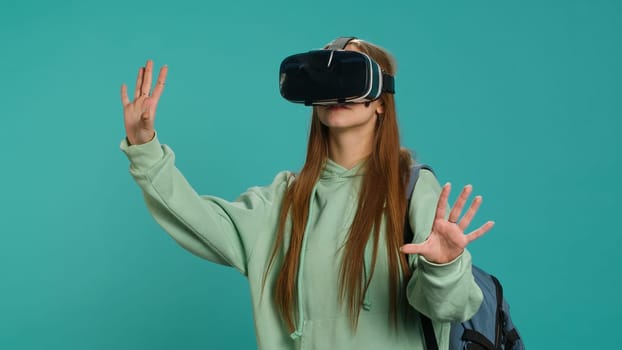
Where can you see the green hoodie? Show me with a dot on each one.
(241, 234)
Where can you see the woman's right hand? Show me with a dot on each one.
(139, 114)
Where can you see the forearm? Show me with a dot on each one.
(197, 223)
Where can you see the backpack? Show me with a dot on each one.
(491, 327)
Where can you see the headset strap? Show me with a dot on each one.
(388, 83)
(340, 43)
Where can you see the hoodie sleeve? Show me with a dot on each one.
(443, 292)
(210, 227)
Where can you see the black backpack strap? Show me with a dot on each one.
(500, 315)
(510, 338)
(479, 339)
(505, 338)
(428, 333)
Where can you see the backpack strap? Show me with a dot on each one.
(500, 316)
(503, 337)
(478, 340)
(428, 333)
(426, 323)
(510, 338)
(412, 181)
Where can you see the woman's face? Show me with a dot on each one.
(351, 115)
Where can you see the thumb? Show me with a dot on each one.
(413, 248)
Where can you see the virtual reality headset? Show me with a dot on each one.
(333, 76)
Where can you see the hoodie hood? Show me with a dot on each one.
(334, 171)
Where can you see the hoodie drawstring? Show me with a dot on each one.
(298, 332)
(367, 270)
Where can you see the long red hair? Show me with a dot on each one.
(382, 195)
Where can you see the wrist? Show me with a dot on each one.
(135, 142)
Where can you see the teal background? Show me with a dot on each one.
(521, 99)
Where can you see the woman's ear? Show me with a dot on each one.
(380, 108)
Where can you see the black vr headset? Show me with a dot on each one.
(333, 76)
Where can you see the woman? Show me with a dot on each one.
(322, 249)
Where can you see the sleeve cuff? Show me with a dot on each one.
(145, 155)
(446, 268)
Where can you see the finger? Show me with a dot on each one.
(470, 214)
(456, 210)
(146, 86)
(139, 82)
(157, 91)
(413, 248)
(480, 231)
(124, 99)
(441, 206)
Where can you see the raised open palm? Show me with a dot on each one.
(447, 239)
(139, 114)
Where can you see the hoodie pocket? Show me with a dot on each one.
(374, 332)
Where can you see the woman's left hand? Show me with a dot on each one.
(447, 239)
